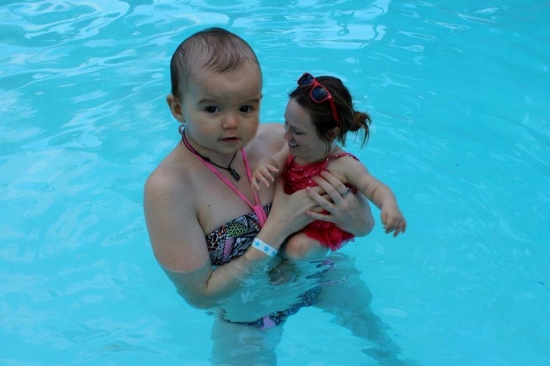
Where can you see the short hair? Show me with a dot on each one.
(213, 48)
(350, 120)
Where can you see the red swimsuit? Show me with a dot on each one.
(298, 177)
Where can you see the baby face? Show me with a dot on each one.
(221, 111)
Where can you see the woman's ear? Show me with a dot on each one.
(175, 107)
(334, 133)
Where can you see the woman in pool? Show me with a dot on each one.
(319, 115)
(213, 235)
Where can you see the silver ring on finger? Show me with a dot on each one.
(346, 192)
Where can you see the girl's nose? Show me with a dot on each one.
(231, 120)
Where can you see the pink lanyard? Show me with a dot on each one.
(258, 209)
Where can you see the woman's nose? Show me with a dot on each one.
(286, 135)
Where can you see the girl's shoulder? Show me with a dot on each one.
(341, 161)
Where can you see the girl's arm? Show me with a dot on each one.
(380, 194)
(269, 168)
(279, 159)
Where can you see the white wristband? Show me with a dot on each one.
(264, 247)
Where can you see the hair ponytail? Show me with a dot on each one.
(361, 120)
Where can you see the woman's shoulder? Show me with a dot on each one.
(169, 177)
(270, 137)
(161, 179)
(271, 127)
(270, 132)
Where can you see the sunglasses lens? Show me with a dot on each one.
(319, 93)
(306, 80)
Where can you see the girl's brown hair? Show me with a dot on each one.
(215, 49)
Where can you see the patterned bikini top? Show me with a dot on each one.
(232, 239)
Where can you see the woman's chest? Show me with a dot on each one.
(219, 203)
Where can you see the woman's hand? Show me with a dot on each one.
(349, 212)
(289, 211)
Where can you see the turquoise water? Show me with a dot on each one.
(459, 95)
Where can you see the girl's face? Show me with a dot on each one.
(301, 134)
(221, 111)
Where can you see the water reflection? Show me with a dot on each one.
(344, 295)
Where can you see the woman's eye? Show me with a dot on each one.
(212, 109)
(292, 129)
(297, 132)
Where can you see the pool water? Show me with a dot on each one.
(458, 92)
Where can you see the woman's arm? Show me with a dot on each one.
(351, 213)
(179, 243)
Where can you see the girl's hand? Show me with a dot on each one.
(393, 220)
(264, 173)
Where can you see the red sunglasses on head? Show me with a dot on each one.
(318, 93)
